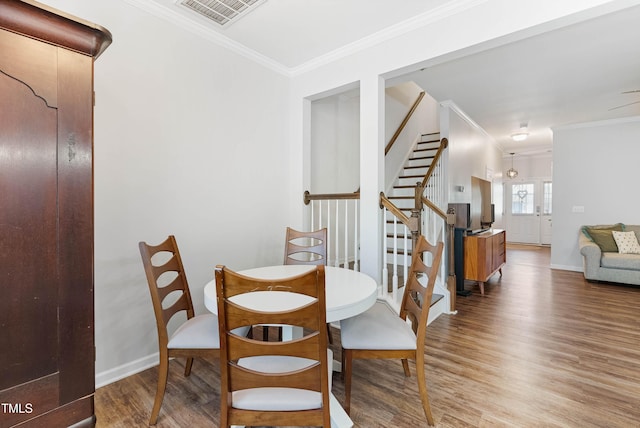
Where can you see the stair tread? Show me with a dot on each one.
(435, 298)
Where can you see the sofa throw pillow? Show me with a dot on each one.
(627, 242)
(587, 229)
(602, 236)
(604, 239)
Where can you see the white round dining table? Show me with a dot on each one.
(348, 293)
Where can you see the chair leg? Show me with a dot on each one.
(347, 361)
(187, 366)
(422, 387)
(163, 373)
(329, 335)
(405, 367)
(265, 333)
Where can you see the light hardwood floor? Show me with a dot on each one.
(542, 348)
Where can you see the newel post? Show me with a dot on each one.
(416, 215)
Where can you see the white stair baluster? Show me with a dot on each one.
(356, 255)
(337, 224)
(385, 256)
(394, 282)
(346, 234)
(328, 226)
(406, 257)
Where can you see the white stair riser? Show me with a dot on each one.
(404, 191)
(425, 163)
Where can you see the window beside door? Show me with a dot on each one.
(546, 197)
(522, 198)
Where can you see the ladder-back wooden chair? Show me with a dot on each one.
(305, 248)
(198, 336)
(381, 333)
(273, 383)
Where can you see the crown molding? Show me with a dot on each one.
(203, 31)
(396, 30)
(418, 21)
(597, 123)
(464, 116)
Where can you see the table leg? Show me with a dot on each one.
(290, 333)
(339, 418)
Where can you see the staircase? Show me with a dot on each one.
(415, 205)
(402, 194)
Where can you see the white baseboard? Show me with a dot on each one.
(570, 268)
(438, 309)
(128, 369)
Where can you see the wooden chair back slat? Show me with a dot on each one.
(313, 254)
(236, 350)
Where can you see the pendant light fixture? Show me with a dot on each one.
(511, 172)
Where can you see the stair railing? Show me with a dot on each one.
(427, 218)
(404, 123)
(338, 212)
(409, 228)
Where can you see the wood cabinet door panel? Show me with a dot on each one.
(28, 235)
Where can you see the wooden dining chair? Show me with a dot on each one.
(381, 333)
(273, 383)
(198, 336)
(305, 248)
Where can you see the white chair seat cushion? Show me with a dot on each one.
(199, 332)
(377, 328)
(274, 399)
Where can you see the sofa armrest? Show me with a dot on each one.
(591, 256)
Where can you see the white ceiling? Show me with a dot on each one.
(571, 75)
(294, 32)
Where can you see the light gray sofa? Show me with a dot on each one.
(609, 266)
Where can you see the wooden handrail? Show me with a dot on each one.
(434, 208)
(410, 222)
(308, 197)
(404, 123)
(443, 145)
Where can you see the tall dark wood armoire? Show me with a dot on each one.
(47, 348)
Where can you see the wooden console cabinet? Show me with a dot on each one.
(484, 255)
(47, 350)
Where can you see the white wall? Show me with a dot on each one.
(594, 166)
(471, 153)
(335, 143)
(190, 139)
(529, 166)
(335, 136)
(425, 119)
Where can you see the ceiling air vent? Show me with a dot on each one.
(222, 12)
